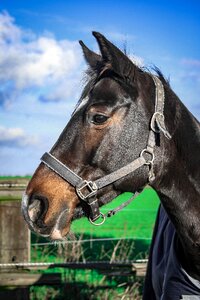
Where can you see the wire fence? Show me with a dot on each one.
(89, 241)
(88, 267)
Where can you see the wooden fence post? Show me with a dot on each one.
(14, 234)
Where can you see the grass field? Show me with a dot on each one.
(131, 231)
(14, 177)
(132, 228)
(124, 237)
(134, 221)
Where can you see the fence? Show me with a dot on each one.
(18, 272)
(14, 234)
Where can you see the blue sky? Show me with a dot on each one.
(41, 64)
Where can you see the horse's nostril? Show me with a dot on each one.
(37, 207)
(34, 210)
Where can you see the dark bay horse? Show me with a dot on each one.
(129, 129)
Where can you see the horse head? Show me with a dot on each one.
(108, 130)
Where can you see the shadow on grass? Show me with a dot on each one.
(91, 284)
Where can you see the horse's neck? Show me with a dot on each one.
(183, 152)
(179, 188)
(180, 155)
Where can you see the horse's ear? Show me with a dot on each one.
(91, 57)
(120, 63)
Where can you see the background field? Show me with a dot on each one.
(122, 238)
(134, 221)
(131, 228)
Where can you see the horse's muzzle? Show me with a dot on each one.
(34, 209)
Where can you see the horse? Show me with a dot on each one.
(128, 129)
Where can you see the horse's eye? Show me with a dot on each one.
(99, 119)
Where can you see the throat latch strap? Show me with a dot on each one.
(158, 117)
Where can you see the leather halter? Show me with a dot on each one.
(87, 190)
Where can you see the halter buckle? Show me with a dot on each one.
(86, 189)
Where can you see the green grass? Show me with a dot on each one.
(133, 226)
(10, 198)
(14, 177)
(134, 221)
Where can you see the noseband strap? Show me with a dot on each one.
(58, 167)
(87, 190)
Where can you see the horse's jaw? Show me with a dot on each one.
(61, 234)
(78, 213)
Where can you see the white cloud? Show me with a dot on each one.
(48, 68)
(191, 70)
(16, 137)
(191, 62)
(8, 31)
(28, 61)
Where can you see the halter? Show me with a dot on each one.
(87, 190)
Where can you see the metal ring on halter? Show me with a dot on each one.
(148, 162)
(98, 224)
